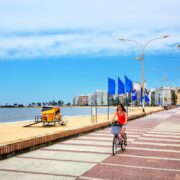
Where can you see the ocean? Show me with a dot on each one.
(25, 114)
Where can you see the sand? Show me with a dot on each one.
(15, 132)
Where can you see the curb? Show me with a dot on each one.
(19, 147)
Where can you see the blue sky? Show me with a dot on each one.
(52, 50)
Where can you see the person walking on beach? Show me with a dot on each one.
(122, 120)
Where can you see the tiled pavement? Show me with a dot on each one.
(153, 152)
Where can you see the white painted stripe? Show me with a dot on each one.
(167, 129)
(157, 144)
(141, 167)
(149, 157)
(137, 130)
(128, 129)
(135, 133)
(82, 148)
(155, 139)
(168, 136)
(169, 133)
(170, 127)
(89, 178)
(100, 138)
(108, 135)
(73, 156)
(103, 149)
(158, 150)
(88, 142)
(109, 132)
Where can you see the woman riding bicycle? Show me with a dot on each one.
(122, 120)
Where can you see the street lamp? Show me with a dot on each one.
(143, 47)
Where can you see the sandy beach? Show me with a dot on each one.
(15, 132)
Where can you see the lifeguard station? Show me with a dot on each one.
(49, 116)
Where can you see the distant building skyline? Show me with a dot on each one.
(157, 96)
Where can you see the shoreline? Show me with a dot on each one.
(15, 138)
(29, 120)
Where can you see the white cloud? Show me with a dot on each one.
(55, 28)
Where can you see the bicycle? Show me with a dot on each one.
(117, 140)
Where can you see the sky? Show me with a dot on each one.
(55, 50)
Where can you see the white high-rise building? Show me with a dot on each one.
(91, 99)
(76, 100)
(101, 97)
(163, 96)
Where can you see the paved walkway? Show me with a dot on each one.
(153, 152)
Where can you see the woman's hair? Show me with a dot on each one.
(123, 108)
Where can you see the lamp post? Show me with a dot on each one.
(143, 47)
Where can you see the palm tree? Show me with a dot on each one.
(173, 97)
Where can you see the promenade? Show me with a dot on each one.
(153, 152)
(15, 137)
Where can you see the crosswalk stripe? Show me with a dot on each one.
(109, 135)
(149, 157)
(163, 133)
(168, 136)
(109, 139)
(155, 139)
(156, 143)
(106, 148)
(90, 178)
(167, 131)
(153, 149)
(141, 167)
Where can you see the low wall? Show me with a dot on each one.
(21, 146)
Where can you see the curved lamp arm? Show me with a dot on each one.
(154, 40)
(139, 44)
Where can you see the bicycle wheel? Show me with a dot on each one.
(115, 145)
(123, 146)
(125, 136)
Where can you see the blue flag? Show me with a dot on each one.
(128, 85)
(111, 86)
(134, 95)
(146, 95)
(121, 87)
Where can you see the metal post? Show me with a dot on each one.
(91, 115)
(96, 113)
(142, 59)
(143, 80)
(127, 102)
(108, 106)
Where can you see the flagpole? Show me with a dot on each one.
(127, 102)
(108, 106)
